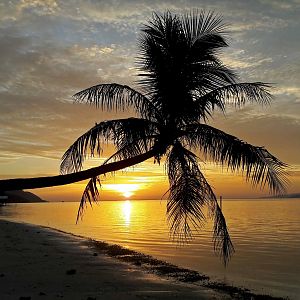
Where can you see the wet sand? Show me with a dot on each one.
(42, 263)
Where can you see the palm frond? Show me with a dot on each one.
(135, 136)
(205, 27)
(120, 132)
(210, 75)
(189, 193)
(159, 45)
(221, 238)
(87, 144)
(256, 163)
(237, 94)
(117, 97)
(222, 242)
(186, 199)
(134, 148)
(89, 196)
(162, 27)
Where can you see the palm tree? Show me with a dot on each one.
(181, 83)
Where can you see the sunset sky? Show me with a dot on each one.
(52, 49)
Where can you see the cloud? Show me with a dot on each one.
(288, 6)
(52, 49)
(239, 61)
(41, 7)
(37, 81)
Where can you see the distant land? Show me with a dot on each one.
(294, 195)
(21, 197)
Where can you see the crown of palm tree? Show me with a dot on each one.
(181, 82)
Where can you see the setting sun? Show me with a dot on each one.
(125, 189)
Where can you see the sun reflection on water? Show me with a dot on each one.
(126, 210)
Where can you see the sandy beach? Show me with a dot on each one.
(42, 263)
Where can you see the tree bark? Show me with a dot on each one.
(48, 181)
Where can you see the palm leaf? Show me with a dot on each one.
(189, 193)
(222, 242)
(238, 94)
(256, 163)
(116, 97)
(186, 199)
(120, 132)
(90, 195)
(134, 148)
(204, 27)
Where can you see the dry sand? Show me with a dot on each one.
(41, 263)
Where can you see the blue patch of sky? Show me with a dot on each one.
(67, 32)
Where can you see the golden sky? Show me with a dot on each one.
(52, 49)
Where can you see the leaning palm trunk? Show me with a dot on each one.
(48, 181)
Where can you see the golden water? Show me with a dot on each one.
(266, 236)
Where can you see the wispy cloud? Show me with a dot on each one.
(52, 49)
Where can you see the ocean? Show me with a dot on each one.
(265, 233)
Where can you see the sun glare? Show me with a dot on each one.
(126, 189)
(126, 209)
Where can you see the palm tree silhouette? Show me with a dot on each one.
(181, 83)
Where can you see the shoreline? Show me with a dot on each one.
(82, 268)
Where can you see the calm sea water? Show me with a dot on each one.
(266, 236)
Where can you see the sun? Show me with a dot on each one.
(127, 194)
(125, 189)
